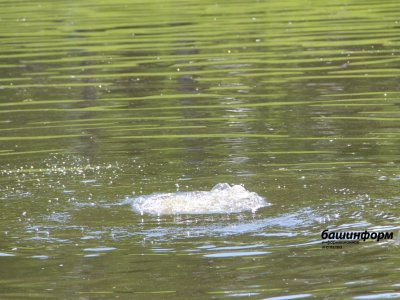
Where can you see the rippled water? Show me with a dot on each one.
(298, 101)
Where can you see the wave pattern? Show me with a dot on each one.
(101, 100)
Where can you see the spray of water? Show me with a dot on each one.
(222, 198)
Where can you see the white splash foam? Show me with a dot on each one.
(222, 198)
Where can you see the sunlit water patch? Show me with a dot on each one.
(222, 198)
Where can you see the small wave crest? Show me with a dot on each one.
(222, 198)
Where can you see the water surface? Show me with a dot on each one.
(296, 100)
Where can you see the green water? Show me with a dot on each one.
(102, 100)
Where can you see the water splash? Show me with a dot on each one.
(222, 198)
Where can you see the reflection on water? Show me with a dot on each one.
(103, 101)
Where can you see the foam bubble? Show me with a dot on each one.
(222, 198)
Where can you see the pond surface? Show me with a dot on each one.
(103, 101)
